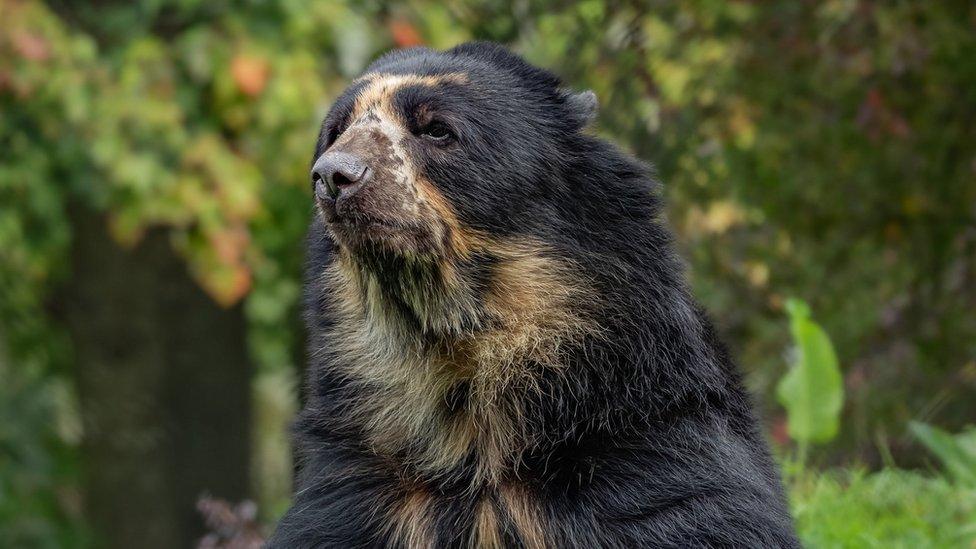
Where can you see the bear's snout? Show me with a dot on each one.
(338, 175)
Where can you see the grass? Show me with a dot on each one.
(891, 508)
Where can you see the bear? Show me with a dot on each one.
(503, 350)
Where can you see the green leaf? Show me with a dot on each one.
(957, 452)
(812, 391)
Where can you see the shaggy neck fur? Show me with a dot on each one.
(447, 348)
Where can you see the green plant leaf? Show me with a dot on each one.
(957, 452)
(812, 391)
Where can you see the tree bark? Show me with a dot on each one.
(164, 384)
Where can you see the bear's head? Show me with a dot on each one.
(427, 148)
(441, 179)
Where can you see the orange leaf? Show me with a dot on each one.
(250, 74)
(779, 433)
(238, 287)
(404, 34)
(227, 285)
(31, 47)
(229, 244)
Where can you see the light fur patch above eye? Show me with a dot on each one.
(381, 87)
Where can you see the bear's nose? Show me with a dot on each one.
(336, 173)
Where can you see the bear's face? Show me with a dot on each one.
(428, 152)
(383, 139)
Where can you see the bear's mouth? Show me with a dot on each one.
(360, 231)
(372, 227)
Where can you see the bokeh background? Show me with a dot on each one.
(154, 194)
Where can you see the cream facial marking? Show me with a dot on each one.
(380, 88)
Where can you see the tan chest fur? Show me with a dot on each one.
(411, 521)
(536, 308)
(536, 305)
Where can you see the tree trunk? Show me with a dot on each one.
(164, 384)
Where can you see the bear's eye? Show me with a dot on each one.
(437, 131)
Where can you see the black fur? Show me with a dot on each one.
(645, 439)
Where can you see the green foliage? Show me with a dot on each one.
(39, 500)
(812, 391)
(886, 509)
(957, 452)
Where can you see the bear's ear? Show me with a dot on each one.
(582, 105)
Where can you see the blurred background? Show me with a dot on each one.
(154, 194)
